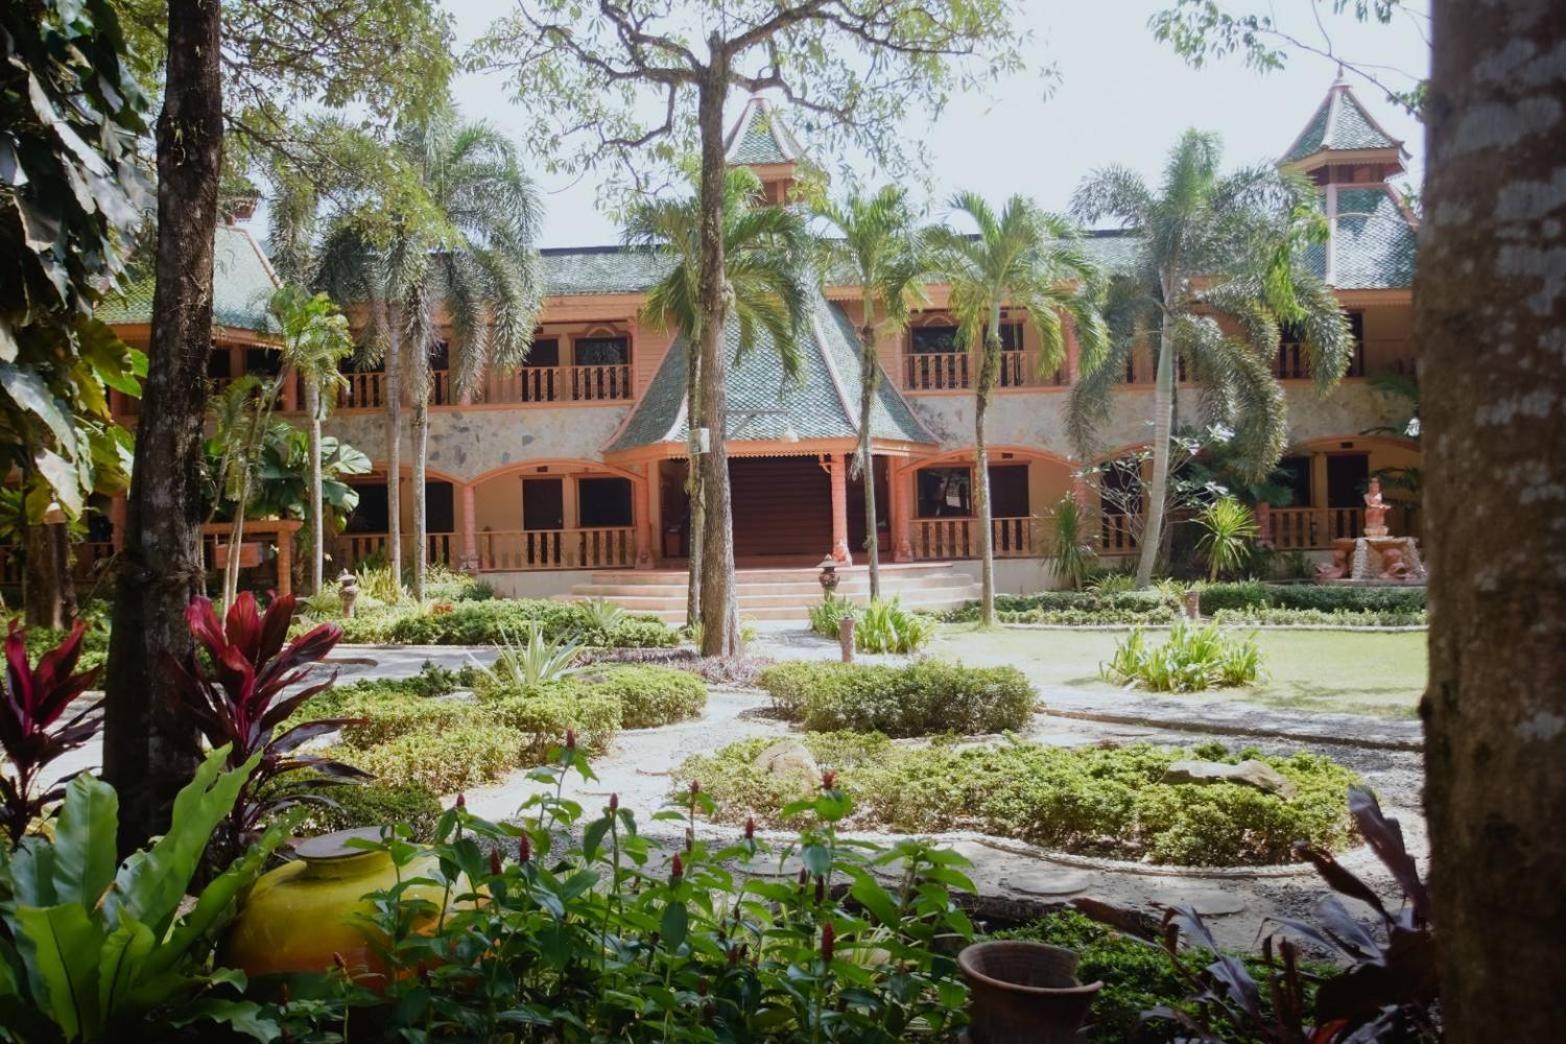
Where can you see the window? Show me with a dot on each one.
(945, 493)
(544, 352)
(603, 502)
(602, 351)
(1009, 491)
(930, 340)
(1011, 337)
(263, 362)
(1294, 474)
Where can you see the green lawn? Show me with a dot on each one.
(1357, 673)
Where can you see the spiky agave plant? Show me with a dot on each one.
(1229, 530)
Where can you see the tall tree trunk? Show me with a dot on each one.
(149, 747)
(719, 608)
(989, 371)
(48, 596)
(1492, 272)
(695, 500)
(869, 376)
(317, 522)
(393, 394)
(421, 535)
(1158, 482)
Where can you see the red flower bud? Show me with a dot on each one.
(677, 870)
(282, 994)
(524, 849)
(462, 801)
(828, 780)
(494, 862)
(695, 787)
(614, 803)
(804, 877)
(750, 828)
(820, 889)
(828, 941)
(337, 959)
(570, 739)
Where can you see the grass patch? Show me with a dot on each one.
(1092, 801)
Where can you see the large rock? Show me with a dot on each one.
(790, 758)
(1251, 773)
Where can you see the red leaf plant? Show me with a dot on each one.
(34, 726)
(252, 683)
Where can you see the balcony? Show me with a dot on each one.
(936, 539)
(600, 548)
(959, 371)
(1302, 528)
(354, 548)
(530, 385)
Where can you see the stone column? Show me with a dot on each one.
(899, 488)
(470, 558)
(839, 473)
(643, 517)
(655, 508)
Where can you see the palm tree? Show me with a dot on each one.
(474, 259)
(1023, 259)
(1217, 274)
(766, 291)
(877, 248)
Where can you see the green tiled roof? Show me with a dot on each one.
(1340, 123)
(1373, 242)
(821, 402)
(242, 284)
(574, 271)
(761, 136)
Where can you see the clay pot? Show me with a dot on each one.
(1023, 991)
(303, 915)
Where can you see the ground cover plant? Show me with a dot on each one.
(1074, 608)
(1191, 659)
(490, 621)
(919, 699)
(883, 626)
(1093, 801)
(1107, 602)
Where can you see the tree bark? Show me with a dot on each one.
(149, 748)
(1158, 482)
(421, 536)
(696, 513)
(48, 596)
(1492, 273)
(868, 378)
(393, 393)
(719, 608)
(317, 524)
(989, 367)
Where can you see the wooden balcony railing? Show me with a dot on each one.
(953, 371)
(521, 550)
(604, 383)
(354, 548)
(1298, 528)
(1116, 534)
(951, 538)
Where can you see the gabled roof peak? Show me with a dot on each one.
(761, 136)
(1341, 123)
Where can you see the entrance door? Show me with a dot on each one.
(1347, 476)
(781, 505)
(543, 503)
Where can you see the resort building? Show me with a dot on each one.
(569, 474)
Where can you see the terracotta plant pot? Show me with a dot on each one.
(301, 916)
(1023, 991)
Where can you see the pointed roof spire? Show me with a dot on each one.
(1342, 124)
(761, 137)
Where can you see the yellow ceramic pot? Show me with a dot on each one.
(301, 916)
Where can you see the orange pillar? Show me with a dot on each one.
(839, 472)
(899, 488)
(643, 518)
(470, 560)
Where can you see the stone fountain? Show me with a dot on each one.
(1376, 557)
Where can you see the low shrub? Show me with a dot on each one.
(472, 621)
(650, 696)
(920, 699)
(1097, 606)
(1325, 598)
(1093, 801)
(1268, 617)
(886, 627)
(389, 716)
(827, 613)
(741, 788)
(1192, 659)
(374, 804)
(445, 761)
(540, 717)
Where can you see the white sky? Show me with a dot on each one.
(1122, 97)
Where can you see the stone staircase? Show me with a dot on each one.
(780, 593)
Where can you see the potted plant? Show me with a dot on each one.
(1023, 991)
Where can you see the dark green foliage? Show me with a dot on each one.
(1103, 802)
(921, 699)
(1322, 597)
(649, 696)
(1076, 607)
(542, 715)
(486, 621)
(375, 804)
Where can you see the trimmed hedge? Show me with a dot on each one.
(649, 696)
(1075, 607)
(484, 622)
(1265, 617)
(375, 804)
(1325, 598)
(447, 761)
(541, 715)
(1093, 801)
(920, 699)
